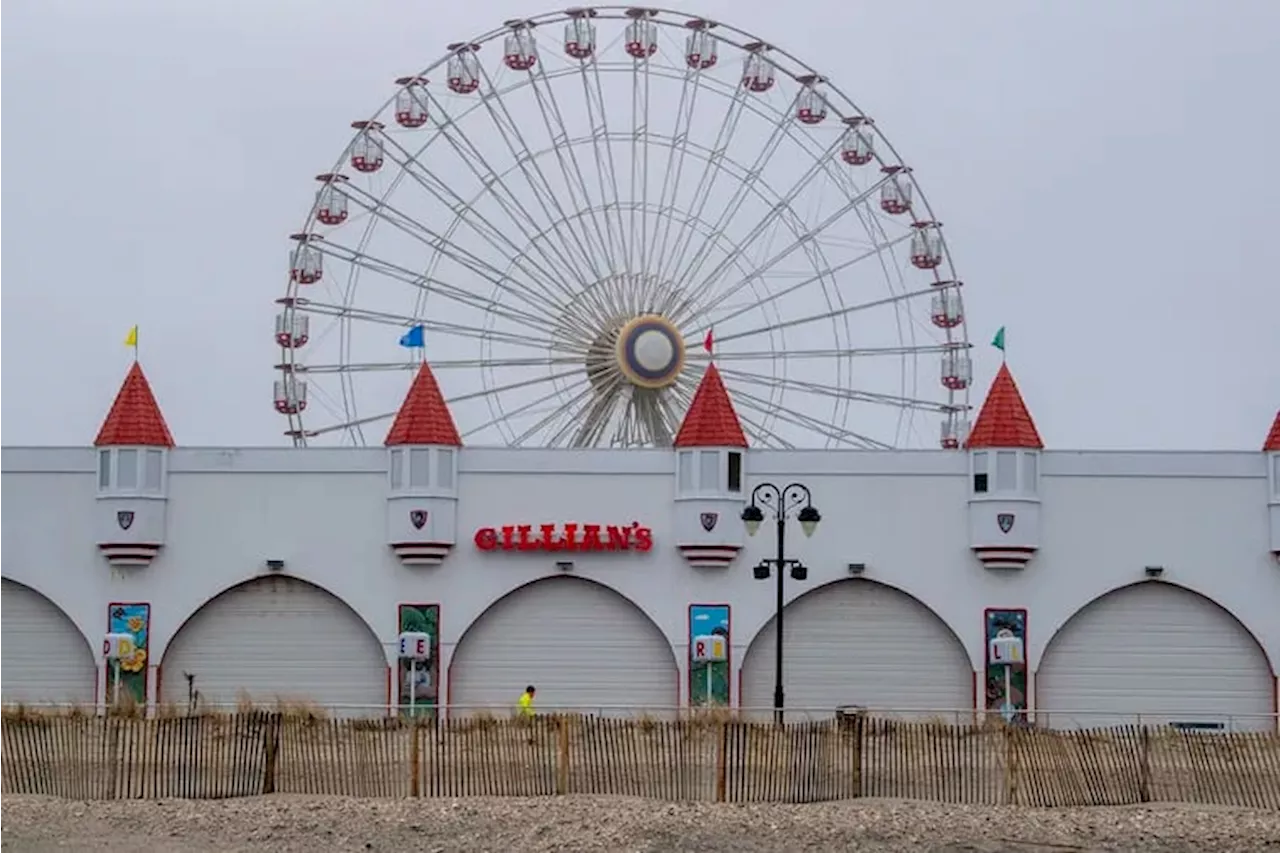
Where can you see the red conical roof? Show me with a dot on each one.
(135, 417)
(1272, 444)
(424, 418)
(711, 420)
(1004, 420)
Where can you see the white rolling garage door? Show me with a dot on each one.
(44, 657)
(277, 639)
(860, 643)
(1158, 650)
(584, 646)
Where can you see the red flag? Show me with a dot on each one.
(706, 342)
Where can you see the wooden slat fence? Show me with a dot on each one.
(246, 754)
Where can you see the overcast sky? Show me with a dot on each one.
(1106, 173)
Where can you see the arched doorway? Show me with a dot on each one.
(858, 642)
(1158, 650)
(583, 645)
(45, 658)
(277, 639)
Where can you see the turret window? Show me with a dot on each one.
(419, 468)
(414, 469)
(397, 470)
(153, 465)
(980, 463)
(735, 471)
(130, 469)
(1006, 471)
(1275, 475)
(126, 469)
(444, 468)
(708, 472)
(1016, 472)
(1030, 473)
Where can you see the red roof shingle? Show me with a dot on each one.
(424, 418)
(135, 417)
(1272, 444)
(1004, 420)
(711, 420)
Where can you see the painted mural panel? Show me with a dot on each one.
(425, 676)
(709, 654)
(133, 619)
(1002, 625)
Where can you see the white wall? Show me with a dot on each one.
(1105, 516)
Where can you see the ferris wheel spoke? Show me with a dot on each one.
(680, 135)
(656, 420)
(437, 364)
(809, 423)
(707, 179)
(566, 154)
(708, 311)
(794, 354)
(327, 401)
(443, 245)
(819, 166)
(514, 208)
(681, 273)
(409, 277)
(593, 417)
(552, 417)
(543, 191)
(549, 276)
(597, 120)
(430, 284)
(827, 315)
(345, 425)
(523, 409)
(835, 393)
(670, 408)
(700, 292)
(434, 327)
(571, 169)
(761, 434)
(512, 386)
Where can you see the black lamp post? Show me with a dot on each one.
(781, 503)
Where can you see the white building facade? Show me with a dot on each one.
(1138, 583)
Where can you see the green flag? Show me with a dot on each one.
(998, 340)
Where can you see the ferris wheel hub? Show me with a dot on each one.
(650, 351)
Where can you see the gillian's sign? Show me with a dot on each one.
(565, 537)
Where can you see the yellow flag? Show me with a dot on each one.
(131, 340)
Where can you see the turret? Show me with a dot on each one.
(422, 475)
(710, 451)
(1271, 447)
(1004, 478)
(132, 475)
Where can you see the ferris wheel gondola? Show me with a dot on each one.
(570, 206)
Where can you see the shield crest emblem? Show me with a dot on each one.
(1005, 520)
(418, 518)
(709, 520)
(124, 518)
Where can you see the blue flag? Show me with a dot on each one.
(414, 338)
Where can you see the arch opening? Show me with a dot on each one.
(276, 639)
(46, 658)
(585, 646)
(861, 642)
(1158, 653)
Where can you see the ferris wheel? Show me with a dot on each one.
(571, 215)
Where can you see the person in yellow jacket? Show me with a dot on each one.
(526, 701)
